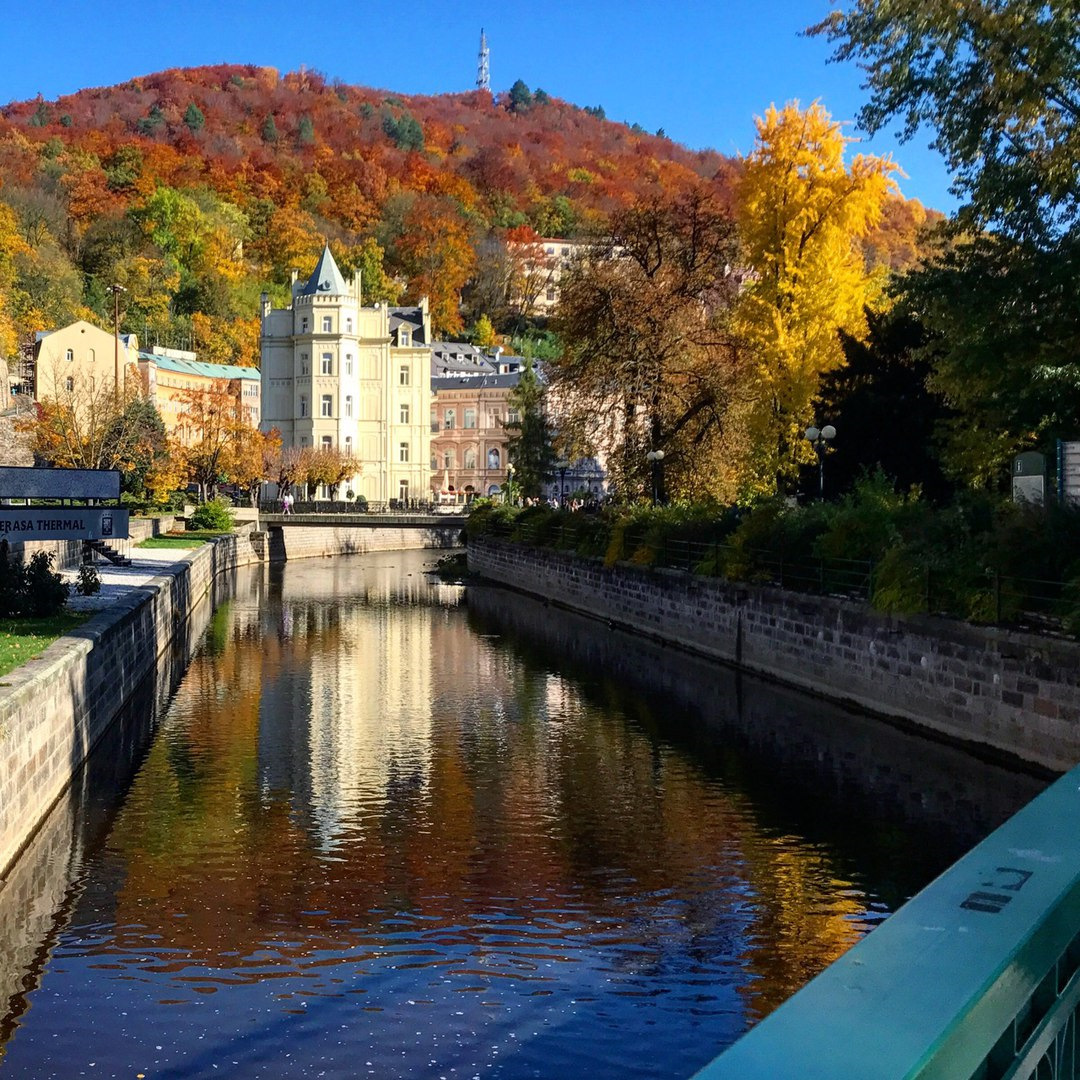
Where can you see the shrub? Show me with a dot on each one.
(213, 516)
(33, 589)
(89, 580)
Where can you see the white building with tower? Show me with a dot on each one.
(339, 375)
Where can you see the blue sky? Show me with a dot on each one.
(700, 70)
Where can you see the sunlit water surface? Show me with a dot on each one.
(383, 833)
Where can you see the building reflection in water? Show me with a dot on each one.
(376, 827)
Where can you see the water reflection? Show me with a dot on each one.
(371, 839)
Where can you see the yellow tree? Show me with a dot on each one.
(11, 245)
(802, 214)
(252, 458)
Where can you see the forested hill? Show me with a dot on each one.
(196, 188)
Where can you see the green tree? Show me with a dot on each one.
(305, 132)
(269, 130)
(520, 97)
(999, 81)
(482, 332)
(530, 442)
(194, 118)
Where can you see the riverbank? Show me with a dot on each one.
(999, 692)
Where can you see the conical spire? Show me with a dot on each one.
(326, 279)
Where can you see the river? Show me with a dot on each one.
(389, 827)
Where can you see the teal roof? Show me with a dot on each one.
(198, 367)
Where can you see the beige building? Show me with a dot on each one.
(83, 361)
(337, 374)
(537, 269)
(167, 374)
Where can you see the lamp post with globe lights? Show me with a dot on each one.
(655, 458)
(819, 439)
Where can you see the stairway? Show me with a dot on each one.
(106, 551)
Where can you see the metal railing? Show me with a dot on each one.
(987, 596)
(975, 978)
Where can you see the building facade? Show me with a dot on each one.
(169, 375)
(469, 440)
(80, 362)
(338, 375)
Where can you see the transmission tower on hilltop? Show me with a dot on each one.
(483, 72)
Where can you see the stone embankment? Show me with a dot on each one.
(1013, 694)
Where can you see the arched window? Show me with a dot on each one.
(494, 458)
(470, 458)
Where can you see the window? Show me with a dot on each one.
(303, 363)
(326, 324)
(348, 324)
(513, 417)
(551, 251)
(348, 363)
(348, 405)
(303, 325)
(403, 413)
(470, 418)
(303, 440)
(90, 356)
(303, 405)
(403, 452)
(327, 405)
(70, 383)
(551, 293)
(70, 354)
(404, 338)
(470, 459)
(434, 462)
(348, 445)
(328, 363)
(448, 459)
(403, 491)
(403, 375)
(327, 442)
(449, 419)
(493, 458)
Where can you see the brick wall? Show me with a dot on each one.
(1015, 694)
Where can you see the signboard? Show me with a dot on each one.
(28, 483)
(1029, 477)
(1069, 472)
(54, 523)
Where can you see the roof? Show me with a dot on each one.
(489, 381)
(412, 317)
(198, 367)
(326, 280)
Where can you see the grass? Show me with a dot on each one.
(23, 639)
(180, 539)
(171, 542)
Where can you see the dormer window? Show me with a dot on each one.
(404, 338)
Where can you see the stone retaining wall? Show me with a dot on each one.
(305, 542)
(1012, 693)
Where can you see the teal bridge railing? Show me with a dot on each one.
(975, 978)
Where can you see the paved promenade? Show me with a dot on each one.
(118, 581)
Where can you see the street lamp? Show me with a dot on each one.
(819, 440)
(655, 458)
(116, 290)
(510, 483)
